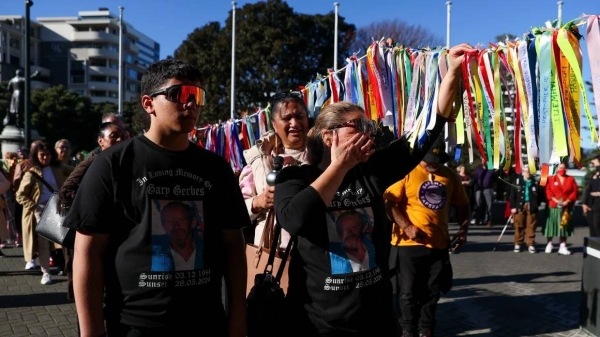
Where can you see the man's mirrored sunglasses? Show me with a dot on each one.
(182, 94)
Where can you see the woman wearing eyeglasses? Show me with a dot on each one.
(334, 206)
(290, 122)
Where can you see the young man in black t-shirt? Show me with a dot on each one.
(122, 248)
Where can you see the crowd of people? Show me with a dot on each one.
(28, 180)
(160, 221)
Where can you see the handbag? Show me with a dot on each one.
(50, 226)
(257, 257)
(265, 301)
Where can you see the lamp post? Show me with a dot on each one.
(448, 5)
(336, 5)
(232, 111)
(560, 3)
(446, 128)
(27, 107)
(121, 8)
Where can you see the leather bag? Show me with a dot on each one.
(258, 256)
(51, 226)
(266, 299)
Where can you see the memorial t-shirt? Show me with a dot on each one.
(164, 212)
(338, 274)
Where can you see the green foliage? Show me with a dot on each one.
(133, 115)
(59, 113)
(4, 99)
(277, 49)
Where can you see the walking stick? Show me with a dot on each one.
(500, 237)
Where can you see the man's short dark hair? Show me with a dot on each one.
(178, 204)
(352, 213)
(161, 72)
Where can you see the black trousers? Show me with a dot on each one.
(421, 274)
(593, 220)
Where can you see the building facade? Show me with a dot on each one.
(12, 50)
(82, 53)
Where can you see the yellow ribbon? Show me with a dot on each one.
(567, 48)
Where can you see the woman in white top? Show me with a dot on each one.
(44, 178)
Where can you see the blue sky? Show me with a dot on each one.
(169, 22)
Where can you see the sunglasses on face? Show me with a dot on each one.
(182, 94)
(360, 125)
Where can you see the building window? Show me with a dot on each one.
(132, 73)
(15, 60)
(98, 62)
(133, 87)
(113, 80)
(80, 92)
(129, 58)
(98, 78)
(98, 93)
(112, 48)
(113, 94)
(15, 43)
(77, 71)
(90, 45)
(114, 64)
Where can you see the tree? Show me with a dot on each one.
(5, 96)
(59, 113)
(135, 118)
(277, 50)
(414, 36)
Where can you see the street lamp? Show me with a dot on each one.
(27, 107)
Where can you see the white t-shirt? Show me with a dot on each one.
(359, 265)
(48, 176)
(181, 264)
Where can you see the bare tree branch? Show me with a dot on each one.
(414, 36)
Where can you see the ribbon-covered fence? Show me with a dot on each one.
(537, 79)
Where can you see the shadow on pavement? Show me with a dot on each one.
(34, 300)
(501, 315)
(521, 278)
(505, 246)
(20, 272)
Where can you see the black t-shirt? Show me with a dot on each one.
(164, 211)
(339, 272)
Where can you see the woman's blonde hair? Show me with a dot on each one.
(329, 117)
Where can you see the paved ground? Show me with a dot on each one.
(496, 293)
(502, 293)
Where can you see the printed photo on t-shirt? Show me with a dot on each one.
(177, 235)
(350, 240)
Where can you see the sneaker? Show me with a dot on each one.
(549, 248)
(30, 265)
(46, 279)
(531, 249)
(408, 333)
(2, 254)
(563, 250)
(61, 272)
(517, 249)
(426, 333)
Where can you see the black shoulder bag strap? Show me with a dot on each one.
(273, 251)
(38, 177)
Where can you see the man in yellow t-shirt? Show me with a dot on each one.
(419, 206)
